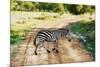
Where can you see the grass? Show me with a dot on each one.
(22, 22)
(87, 30)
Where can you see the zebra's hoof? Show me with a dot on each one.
(53, 49)
(57, 51)
(35, 53)
(69, 40)
(48, 51)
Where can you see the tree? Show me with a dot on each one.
(29, 6)
(60, 8)
(51, 7)
(81, 9)
(13, 4)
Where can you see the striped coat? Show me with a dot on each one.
(51, 35)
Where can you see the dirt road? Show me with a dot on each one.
(69, 51)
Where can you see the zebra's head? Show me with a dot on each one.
(69, 35)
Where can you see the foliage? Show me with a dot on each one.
(87, 30)
(51, 7)
(15, 38)
(13, 4)
(81, 9)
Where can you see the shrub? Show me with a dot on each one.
(14, 37)
(87, 30)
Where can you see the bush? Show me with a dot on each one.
(87, 30)
(14, 37)
(81, 9)
(51, 7)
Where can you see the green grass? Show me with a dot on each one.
(87, 30)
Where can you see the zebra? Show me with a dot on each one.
(51, 35)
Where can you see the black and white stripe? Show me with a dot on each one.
(51, 35)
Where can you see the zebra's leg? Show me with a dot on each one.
(36, 50)
(56, 47)
(46, 49)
